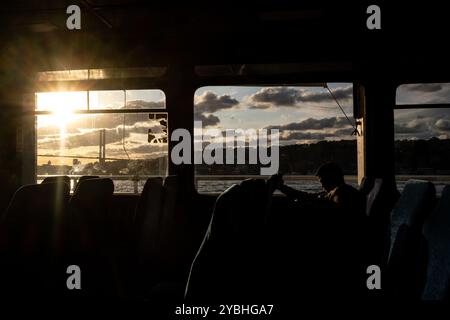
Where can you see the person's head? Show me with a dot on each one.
(330, 175)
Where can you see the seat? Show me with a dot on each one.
(437, 234)
(372, 196)
(89, 236)
(64, 179)
(412, 208)
(180, 235)
(83, 178)
(230, 264)
(380, 201)
(146, 231)
(406, 269)
(366, 185)
(31, 239)
(168, 235)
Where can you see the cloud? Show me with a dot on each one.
(412, 126)
(320, 135)
(342, 93)
(141, 104)
(278, 96)
(208, 103)
(148, 149)
(207, 120)
(90, 137)
(293, 97)
(334, 127)
(314, 124)
(423, 87)
(424, 93)
(107, 121)
(443, 124)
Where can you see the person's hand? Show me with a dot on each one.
(275, 182)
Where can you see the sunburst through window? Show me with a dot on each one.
(103, 133)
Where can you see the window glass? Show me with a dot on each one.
(312, 130)
(127, 147)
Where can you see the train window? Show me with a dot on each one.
(312, 129)
(125, 142)
(422, 133)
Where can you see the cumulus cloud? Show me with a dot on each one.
(412, 126)
(208, 103)
(148, 148)
(443, 124)
(314, 124)
(278, 96)
(423, 87)
(424, 93)
(318, 135)
(141, 104)
(90, 137)
(207, 120)
(293, 97)
(315, 129)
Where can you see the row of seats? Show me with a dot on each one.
(244, 258)
(44, 230)
(249, 249)
(168, 229)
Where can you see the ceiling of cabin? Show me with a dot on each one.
(142, 33)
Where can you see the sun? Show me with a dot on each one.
(62, 106)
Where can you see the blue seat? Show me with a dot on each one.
(413, 207)
(437, 234)
(405, 273)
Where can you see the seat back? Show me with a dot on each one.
(412, 208)
(33, 214)
(83, 178)
(373, 196)
(167, 229)
(405, 271)
(64, 179)
(92, 197)
(366, 185)
(147, 228)
(228, 265)
(89, 235)
(31, 238)
(437, 234)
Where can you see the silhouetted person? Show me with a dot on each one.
(336, 195)
(325, 229)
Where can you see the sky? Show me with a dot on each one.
(303, 114)
(412, 124)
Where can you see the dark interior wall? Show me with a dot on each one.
(10, 164)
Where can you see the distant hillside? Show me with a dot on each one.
(412, 157)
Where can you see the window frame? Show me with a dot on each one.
(291, 80)
(35, 113)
